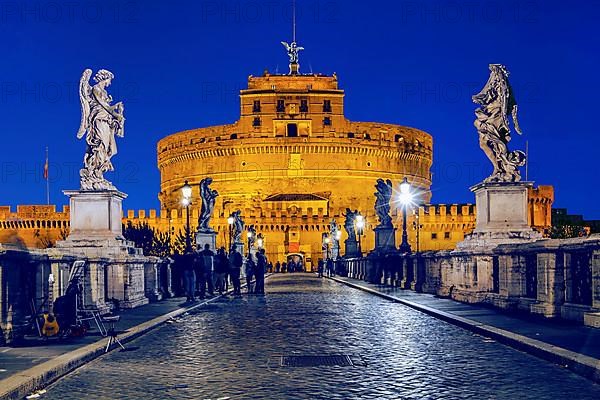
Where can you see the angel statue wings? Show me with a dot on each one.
(498, 103)
(292, 50)
(100, 123)
(209, 196)
(383, 197)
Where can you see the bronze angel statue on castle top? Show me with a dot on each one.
(101, 121)
(497, 103)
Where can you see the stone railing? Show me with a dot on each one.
(106, 283)
(553, 278)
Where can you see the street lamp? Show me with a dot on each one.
(186, 191)
(417, 226)
(360, 225)
(230, 221)
(405, 200)
(249, 236)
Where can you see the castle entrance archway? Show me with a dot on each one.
(295, 262)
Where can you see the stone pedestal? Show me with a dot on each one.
(96, 233)
(501, 216)
(95, 215)
(209, 238)
(351, 248)
(335, 250)
(385, 239)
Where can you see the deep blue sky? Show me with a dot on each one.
(179, 65)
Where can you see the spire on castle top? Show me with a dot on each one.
(293, 49)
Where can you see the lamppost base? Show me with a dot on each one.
(405, 248)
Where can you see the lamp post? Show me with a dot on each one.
(405, 199)
(360, 225)
(230, 224)
(186, 191)
(417, 226)
(249, 236)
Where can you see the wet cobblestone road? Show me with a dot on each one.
(222, 351)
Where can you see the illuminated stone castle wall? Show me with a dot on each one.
(293, 159)
(441, 225)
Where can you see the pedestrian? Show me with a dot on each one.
(270, 267)
(236, 261)
(189, 276)
(330, 267)
(221, 269)
(207, 261)
(320, 268)
(277, 267)
(249, 271)
(284, 267)
(259, 273)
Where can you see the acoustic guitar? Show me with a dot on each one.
(50, 327)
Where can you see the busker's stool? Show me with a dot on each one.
(112, 332)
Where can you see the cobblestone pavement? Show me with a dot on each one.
(222, 351)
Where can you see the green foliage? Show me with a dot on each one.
(151, 241)
(45, 239)
(560, 231)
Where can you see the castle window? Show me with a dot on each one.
(446, 235)
(233, 136)
(434, 236)
(256, 106)
(326, 105)
(304, 106)
(350, 135)
(280, 106)
(367, 136)
(398, 138)
(327, 121)
(256, 121)
(292, 130)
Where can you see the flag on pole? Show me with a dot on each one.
(46, 168)
(46, 176)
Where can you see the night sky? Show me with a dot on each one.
(180, 64)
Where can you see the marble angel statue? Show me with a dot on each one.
(349, 224)
(238, 226)
(383, 197)
(498, 103)
(209, 197)
(100, 123)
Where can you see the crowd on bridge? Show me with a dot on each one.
(206, 273)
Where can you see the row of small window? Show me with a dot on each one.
(256, 122)
(434, 235)
(281, 106)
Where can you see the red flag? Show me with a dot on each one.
(46, 169)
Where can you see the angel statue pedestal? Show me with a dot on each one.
(501, 216)
(115, 267)
(351, 248)
(96, 216)
(385, 239)
(203, 238)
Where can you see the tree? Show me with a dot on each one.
(44, 239)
